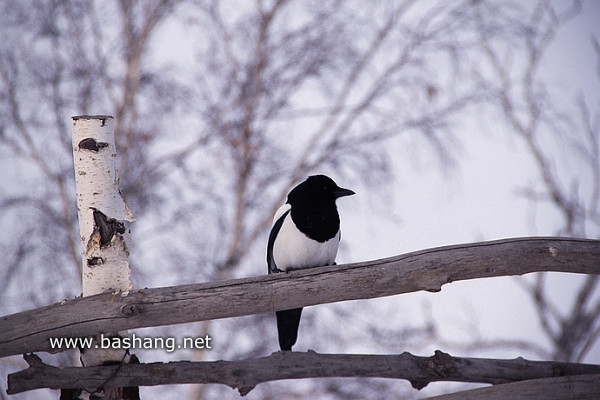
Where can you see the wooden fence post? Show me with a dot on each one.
(102, 212)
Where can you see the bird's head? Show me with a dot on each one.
(317, 189)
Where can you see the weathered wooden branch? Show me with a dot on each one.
(244, 375)
(571, 387)
(30, 331)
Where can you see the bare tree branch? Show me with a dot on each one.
(244, 375)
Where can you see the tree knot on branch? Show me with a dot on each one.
(440, 365)
(245, 389)
(131, 309)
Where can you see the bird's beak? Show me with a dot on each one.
(341, 192)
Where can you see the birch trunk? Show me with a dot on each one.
(100, 207)
(104, 237)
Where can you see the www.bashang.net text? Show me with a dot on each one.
(132, 342)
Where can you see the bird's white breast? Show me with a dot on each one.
(293, 249)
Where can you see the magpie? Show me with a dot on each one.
(305, 233)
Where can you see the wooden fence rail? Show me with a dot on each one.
(30, 331)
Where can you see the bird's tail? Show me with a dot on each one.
(287, 327)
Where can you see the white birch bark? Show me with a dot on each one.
(105, 266)
(101, 211)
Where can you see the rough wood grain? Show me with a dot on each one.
(244, 375)
(29, 331)
(578, 387)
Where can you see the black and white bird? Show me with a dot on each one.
(305, 233)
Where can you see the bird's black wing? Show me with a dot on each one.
(274, 231)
